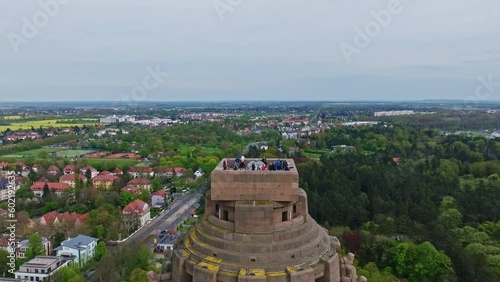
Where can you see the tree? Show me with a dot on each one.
(100, 251)
(46, 192)
(88, 174)
(422, 263)
(138, 275)
(35, 246)
(4, 260)
(125, 198)
(68, 274)
(58, 238)
(24, 193)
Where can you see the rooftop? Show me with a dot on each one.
(41, 261)
(255, 185)
(249, 161)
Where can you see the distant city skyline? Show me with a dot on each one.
(219, 50)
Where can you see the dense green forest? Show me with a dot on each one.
(412, 204)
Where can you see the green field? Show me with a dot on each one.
(26, 125)
(311, 155)
(63, 153)
(186, 149)
(70, 153)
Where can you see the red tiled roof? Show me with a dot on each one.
(105, 172)
(161, 193)
(43, 179)
(53, 186)
(179, 169)
(4, 164)
(139, 181)
(136, 207)
(53, 168)
(131, 189)
(105, 178)
(69, 167)
(117, 170)
(140, 169)
(70, 177)
(88, 167)
(66, 217)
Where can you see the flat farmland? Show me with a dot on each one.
(26, 125)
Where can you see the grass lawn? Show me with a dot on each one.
(312, 155)
(187, 149)
(33, 153)
(63, 153)
(73, 153)
(43, 123)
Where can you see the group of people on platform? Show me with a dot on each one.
(239, 163)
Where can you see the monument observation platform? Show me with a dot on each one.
(256, 227)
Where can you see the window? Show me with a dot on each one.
(37, 279)
(43, 270)
(294, 208)
(36, 270)
(252, 260)
(225, 215)
(284, 216)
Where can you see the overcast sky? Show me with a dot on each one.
(248, 50)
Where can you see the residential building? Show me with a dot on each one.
(179, 171)
(5, 187)
(138, 171)
(165, 172)
(56, 187)
(82, 247)
(4, 165)
(93, 171)
(132, 189)
(53, 170)
(138, 210)
(36, 167)
(69, 169)
(23, 246)
(199, 173)
(70, 179)
(40, 268)
(54, 218)
(141, 183)
(158, 198)
(105, 181)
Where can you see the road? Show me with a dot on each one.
(177, 212)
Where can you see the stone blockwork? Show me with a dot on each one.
(256, 227)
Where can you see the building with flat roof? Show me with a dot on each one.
(256, 227)
(40, 268)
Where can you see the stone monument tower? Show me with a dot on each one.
(256, 227)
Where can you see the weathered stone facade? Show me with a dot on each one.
(256, 227)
